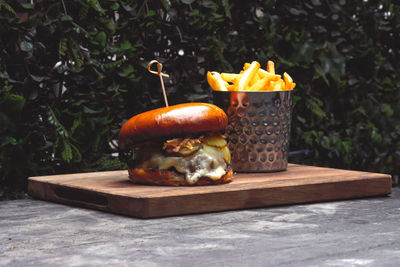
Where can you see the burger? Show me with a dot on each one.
(178, 145)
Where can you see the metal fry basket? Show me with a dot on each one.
(258, 130)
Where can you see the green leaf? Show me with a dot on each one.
(76, 153)
(62, 48)
(37, 78)
(114, 6)
(346, 146)
(113, 87)
(225, 4)
(376, 137)
(319, 72)
(92, 111)
(111, 26)
(7, 124)
(7, 7)
(314, 104)
(166, 4)
(53, 120)
(326, 63)
(83, 11)
(304, 52)
(150, 13)
(65, 18)
(26, 46)
(141, 9)
(297, 12)
(188, 2)
(316, 2)
(387, 109)
(13, 103)
(8, 140)
(76, 124)
(67, 152)
(113, 65)
(126, 70)
(96, 6)
(56, 144)
(126, 45)
(28, 5)
(325, 142)
(101, 38)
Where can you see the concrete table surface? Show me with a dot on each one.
(362, 232)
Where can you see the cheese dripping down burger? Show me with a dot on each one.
(178, 145)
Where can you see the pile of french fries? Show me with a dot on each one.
(251, 78)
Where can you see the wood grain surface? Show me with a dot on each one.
(113, 192)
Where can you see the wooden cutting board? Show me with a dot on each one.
(112, 191)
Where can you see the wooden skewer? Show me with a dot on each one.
(160, 74)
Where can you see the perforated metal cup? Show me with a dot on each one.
(258, 128)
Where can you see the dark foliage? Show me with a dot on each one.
(72, 71)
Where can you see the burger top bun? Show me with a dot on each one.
(188, 118)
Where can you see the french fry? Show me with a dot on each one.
(278, 85)
(259, 76)
(231, 87)
(260, 85)
(251, 78)
(287, 78)
(262, 73)
(289, 84)
(288, 81)
(271, 67)
(248, 75)
(231, 77)
(272, 77)
(255, 79)
(215, 81)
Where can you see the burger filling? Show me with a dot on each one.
(204, 156)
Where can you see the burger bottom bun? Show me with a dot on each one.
(144, 176)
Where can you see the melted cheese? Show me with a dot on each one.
(208, 161)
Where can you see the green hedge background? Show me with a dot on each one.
(72, 71)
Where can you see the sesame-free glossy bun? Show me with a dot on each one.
(182, 119)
